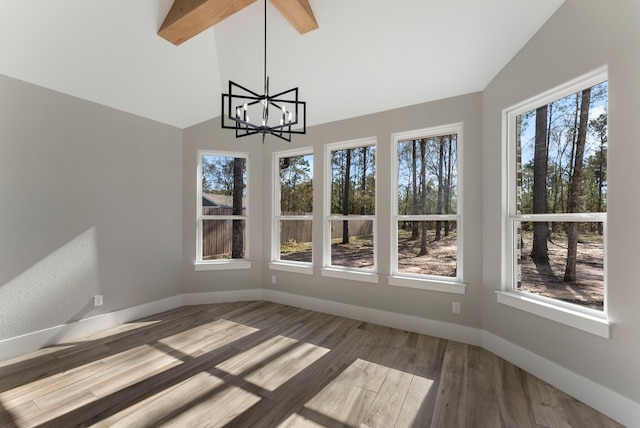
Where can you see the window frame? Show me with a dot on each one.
(276, 263)
(424, 281)
(582, 318)
(343, 272)
(221, 264)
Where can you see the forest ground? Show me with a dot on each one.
(546, 280)
(543, 280)
(440, 259)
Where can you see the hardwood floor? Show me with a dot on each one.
(260, 364)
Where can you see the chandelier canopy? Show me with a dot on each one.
(249, 112)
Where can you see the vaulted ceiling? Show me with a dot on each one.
(366, 56)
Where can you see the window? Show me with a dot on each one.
(292, 227)
(350, 210)
(557, 200)
(222, 211)
(426, 218)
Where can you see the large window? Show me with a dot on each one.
(222, 210)
(293, 211)
(426, 223)
(558, 196)
(350, 207)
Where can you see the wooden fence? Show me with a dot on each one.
(217, 234)
(301, 230)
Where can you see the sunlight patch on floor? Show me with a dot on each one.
(273, 362)
(202, 339)
(370, 394)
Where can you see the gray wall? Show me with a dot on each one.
(581, 36)
(426, 304)
(91, 202)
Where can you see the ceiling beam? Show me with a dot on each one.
(298, 13)
(188, 18)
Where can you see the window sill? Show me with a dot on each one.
(222, 265)
(427, 284)
(306, 269)
(353, 275)
(593, 324)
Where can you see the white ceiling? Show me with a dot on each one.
(367, 56)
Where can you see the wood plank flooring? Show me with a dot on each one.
(260, 364)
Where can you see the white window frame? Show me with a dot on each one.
(341, 272)
(427, 282)
(277, 263)
(582, 318)
(200, 264)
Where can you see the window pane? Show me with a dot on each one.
(352, 243)
(353, 184)
(223, 239)
(223, 185)
(295, 240)
(427, 175)
(561, 155)
(578, 278)
(296, 185)
(427, 247)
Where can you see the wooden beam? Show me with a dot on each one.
(188, 18)
(298, 13)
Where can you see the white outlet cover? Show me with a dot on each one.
(98, 300)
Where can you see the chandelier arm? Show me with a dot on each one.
(232, 84)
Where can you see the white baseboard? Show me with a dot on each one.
(612, 404)
(207, 298)
(600, 398)
(30, 342)
(435, 328)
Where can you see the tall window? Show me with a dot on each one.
(427, 212)
(293, 209)
(222, 209)
(351, 206)
(558, 196)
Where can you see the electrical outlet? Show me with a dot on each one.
(98, 300)
(455, 307)
(273, 279)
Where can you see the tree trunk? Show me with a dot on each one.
(423, 195)
(363, 184)
(345, 198)
(539, 252)
(447, 188)
(237, 238)
(440, 185)
(574, 190)
(415, 209)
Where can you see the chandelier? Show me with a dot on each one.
(250, 113)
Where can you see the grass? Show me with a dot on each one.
(291, 246)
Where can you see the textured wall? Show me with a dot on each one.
(582, 36)
(90, 203)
